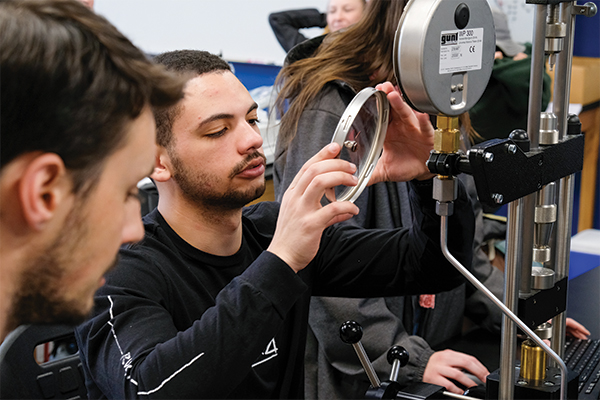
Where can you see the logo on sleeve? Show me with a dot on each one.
(270, 352)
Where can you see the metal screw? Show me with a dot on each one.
(512, 149)
(488, 157)
(521, 382)
(453, 88)
(460, 87)
(452, 100)
(498, 198)
(548, 383)
(351, 145)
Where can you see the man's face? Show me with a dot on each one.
(60, 280)
(216, 153)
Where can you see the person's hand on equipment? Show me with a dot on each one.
(408, 142)
(446, 366)
(302, 218)
(576, 330)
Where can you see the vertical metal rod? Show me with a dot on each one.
(535, 338)
(562, 75)
(508, 345)
(536, 76)
(536, 81)
(566, 186)
(527, 203)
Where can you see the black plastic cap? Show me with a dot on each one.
(351, 332)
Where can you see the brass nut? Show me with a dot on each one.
(447, 135)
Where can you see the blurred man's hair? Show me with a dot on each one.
(71, 85)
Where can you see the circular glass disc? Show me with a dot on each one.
(361, 132)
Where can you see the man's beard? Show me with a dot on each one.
(196, 186)
(41, 297)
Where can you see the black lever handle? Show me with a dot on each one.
(351, 333)
(398, 357)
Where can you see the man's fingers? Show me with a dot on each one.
(336, 212)
(328, 152)
(323, 175)
(325, 181)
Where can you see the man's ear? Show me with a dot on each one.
(45, 186)
(162, 167)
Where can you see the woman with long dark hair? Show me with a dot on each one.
(316, 90)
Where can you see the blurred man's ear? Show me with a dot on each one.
(43, 187)
(162, 168)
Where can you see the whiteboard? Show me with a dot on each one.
(238, 30)
(520, 16)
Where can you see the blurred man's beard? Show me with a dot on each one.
(196, 187)
(42, 296)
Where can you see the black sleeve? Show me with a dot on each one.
(353, 262)
(134, 350)
(285, 25)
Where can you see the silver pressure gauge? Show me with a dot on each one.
(444, 54)
(361, 132)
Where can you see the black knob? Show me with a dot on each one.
(521, 139)
(351, 332)
(518, 134)
(573, 125)
(398, 353)
(462, 15)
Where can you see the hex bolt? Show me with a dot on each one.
(488, 157)
(511, 148)
(498, 198)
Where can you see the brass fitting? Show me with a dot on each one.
(447, 135)
(533, 362)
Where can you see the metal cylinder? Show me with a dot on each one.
(548, 130)
(533, 362)
(542, 278)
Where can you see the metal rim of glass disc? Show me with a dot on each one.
(366, 164)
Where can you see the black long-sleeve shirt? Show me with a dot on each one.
(175, 322)
(286, 25)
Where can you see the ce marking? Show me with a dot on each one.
(471, 49)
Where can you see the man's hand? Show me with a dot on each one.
(449, 364)
(408, 141)
(302, 218)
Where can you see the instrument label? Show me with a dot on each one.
(461, 50)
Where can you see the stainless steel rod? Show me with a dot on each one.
(536, 76)
(566, 186)
(362, 356)
(514, 256)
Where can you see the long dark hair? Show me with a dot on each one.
(360, 56)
